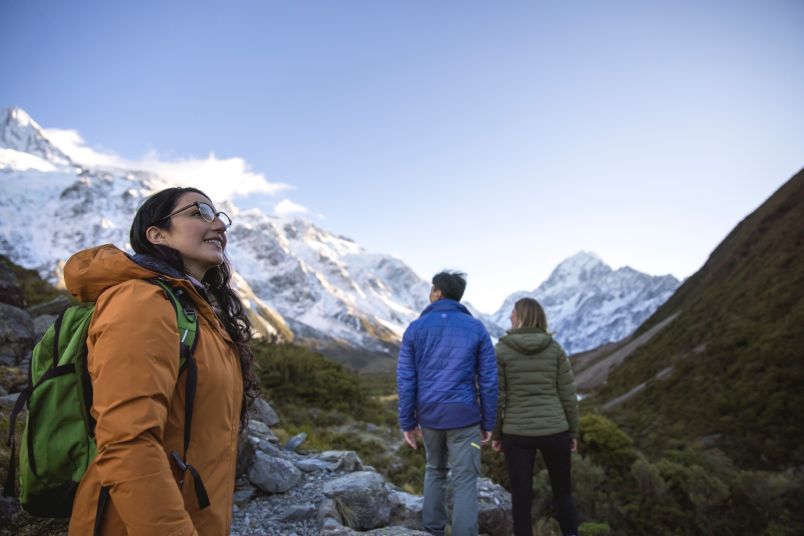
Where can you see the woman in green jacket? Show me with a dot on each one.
(537, 410)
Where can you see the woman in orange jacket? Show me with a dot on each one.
(137, 485)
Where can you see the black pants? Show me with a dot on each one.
(520, 454)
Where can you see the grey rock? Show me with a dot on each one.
(333, 528)
(243, 495)
(328, 510)
(16, 335)
(309, 465)
(246, 448)
(273, 475)
(271, 449)
(41, 323)
(361, 499)
(262, 411)
(406, 509)
(397, 531)
(493, 508)
(295, 441)
(53, 307)
(261, 430)
(342, 460)
(298, 512)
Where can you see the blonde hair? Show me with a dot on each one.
(529, 314)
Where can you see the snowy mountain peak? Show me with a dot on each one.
(21, 133)
(295, 275)
(580, 262)
(589, 304)
(583, 266)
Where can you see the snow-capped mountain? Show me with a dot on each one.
(322, 285)
(589, 304)
(292, 275)
(52, 207)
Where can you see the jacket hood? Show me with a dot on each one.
(445, 304)
(528, 341)
(91, 271)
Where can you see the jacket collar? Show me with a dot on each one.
(159, 266)
(445, 304)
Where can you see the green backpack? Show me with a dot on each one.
(58, 443)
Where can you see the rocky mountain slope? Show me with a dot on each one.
(323, 286)
(589, 304)
(727, 367)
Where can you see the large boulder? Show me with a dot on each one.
(262, 411)
(274, 475)
(41, 323)
(361, 498)
(406, 509)
(259, 430)
(16, 335)
(246, 449)
(493, 508)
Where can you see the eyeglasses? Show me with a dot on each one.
(206, 212)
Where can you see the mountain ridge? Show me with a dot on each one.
(589, 304)
(728, 367)
(320, 285)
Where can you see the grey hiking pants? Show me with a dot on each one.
(458, 450)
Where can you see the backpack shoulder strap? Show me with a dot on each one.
(187, 319)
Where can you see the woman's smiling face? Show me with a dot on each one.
(201, 243)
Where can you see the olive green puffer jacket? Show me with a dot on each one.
(537, 389)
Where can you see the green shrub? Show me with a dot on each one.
(295, 377)
(408, 471)
(594, 529)
(605, 443)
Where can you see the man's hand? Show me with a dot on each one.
(410, 437)
(496, 445)
(485, 437)
(573, 445)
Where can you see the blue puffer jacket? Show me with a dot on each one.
(446, 356)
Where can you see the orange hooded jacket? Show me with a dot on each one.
(138, 403)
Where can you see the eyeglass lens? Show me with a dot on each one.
(209, 214)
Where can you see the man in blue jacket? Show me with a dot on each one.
(446, 377)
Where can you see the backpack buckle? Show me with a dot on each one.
(179, 462)
(189, 312)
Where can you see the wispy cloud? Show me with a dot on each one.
(221, 179)
(73, 145)
(287, 207)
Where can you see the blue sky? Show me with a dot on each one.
(494, 137)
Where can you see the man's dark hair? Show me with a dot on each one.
(451, 284)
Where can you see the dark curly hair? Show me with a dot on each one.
(154, 212)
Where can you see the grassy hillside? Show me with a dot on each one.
(736, 348)
(35, 290)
